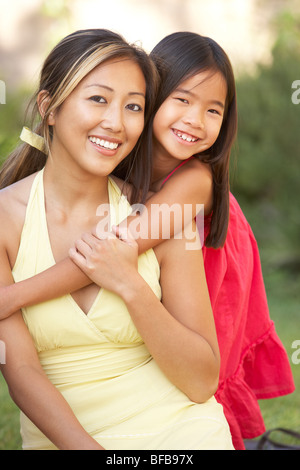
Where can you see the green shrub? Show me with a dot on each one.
(266, 179)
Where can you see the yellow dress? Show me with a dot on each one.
(99, 361)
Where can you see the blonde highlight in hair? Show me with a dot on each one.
(80, 69)
(69, 62)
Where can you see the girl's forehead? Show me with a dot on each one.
(204, 79)
(208, 85)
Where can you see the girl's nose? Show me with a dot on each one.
(194, 118)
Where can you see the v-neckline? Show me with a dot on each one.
(45, 226)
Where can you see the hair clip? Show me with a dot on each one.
(33, 139)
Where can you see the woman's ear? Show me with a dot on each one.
(43, 101)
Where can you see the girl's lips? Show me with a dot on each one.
(185, 137)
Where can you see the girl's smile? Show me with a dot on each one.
(185, 137)
(190, 119)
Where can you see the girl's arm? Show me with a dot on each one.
(181, 195)
(63, 278)
(179, 331)
(187, 187)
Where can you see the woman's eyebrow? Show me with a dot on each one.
(130, 93)
(137, 93)
(100, 86)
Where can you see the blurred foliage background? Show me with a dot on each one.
(265, 178)
(266, 159)
(266, 164)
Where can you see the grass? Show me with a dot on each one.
(9, 420)
(284, 303)
(284, 300)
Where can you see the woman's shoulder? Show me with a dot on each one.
(14, 200)
(18, 192)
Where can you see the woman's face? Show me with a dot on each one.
(100, 122)
(190, 119)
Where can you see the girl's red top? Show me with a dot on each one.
(254, 363)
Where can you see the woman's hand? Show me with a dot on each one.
(111, 262)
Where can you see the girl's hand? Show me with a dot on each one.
(111, 262)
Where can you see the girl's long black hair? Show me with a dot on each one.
(178, 57)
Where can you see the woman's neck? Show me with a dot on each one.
(72, 189)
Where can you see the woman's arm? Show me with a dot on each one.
(189, 186)
(32, 392)
(29, 386)
(179, 331)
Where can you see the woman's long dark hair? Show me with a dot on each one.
(178, 57)
(69, 62)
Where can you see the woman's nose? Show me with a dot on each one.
(112, 119)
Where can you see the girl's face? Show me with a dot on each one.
(190, 119)
(100, 122)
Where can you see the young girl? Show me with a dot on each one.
(197, 117)
(115, 367)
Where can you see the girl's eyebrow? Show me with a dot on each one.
(218, 103)
(187, 92)
(130, 93)
(190, 93)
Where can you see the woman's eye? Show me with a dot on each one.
(134, 107)
(98, 99)
(214, 111)
(182, 100)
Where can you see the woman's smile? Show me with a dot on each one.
(111, 118)
(105, 145)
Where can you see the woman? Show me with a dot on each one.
(113, 368)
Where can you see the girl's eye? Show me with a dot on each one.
(214, 111)
(98, 99)
(134, 107)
